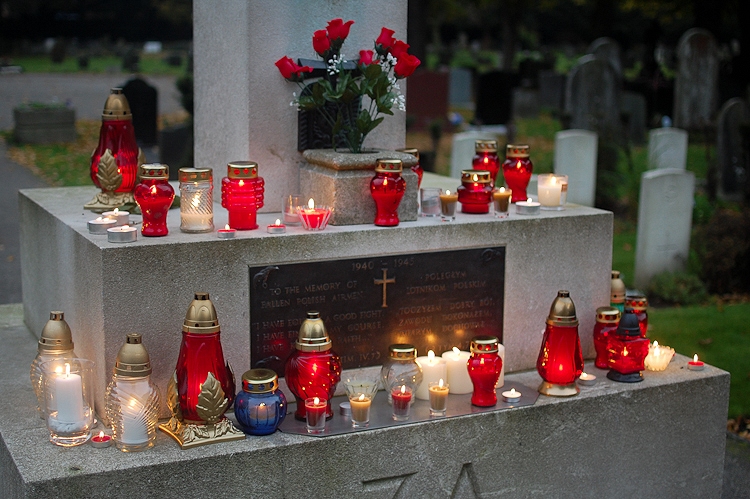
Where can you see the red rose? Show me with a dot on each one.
(290, 70)
(385, 40)
(338, 29)
(406, 65)
(365, 57)
(321, 43)
(399, 48)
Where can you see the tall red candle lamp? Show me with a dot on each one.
(416, 168)
(475, 191)
(202, 387)
(387, 188)
(484, 366)
(485, 158)
(517, 169)
(154, 196)
(242, 193)
(560, 360)
(627, 350)
(313, 369)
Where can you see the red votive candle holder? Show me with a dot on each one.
(242, 193)
(475, 191)
(485, 158)
(387, 188)
(560, 360)
(627, 350)
(154, 196)
(315, 414)
(607, 319)
(314, 217)
(484, 366)
(639, 305)
(517, 169)
(416, 168)
(401, 396)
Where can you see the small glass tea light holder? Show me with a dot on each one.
(528, 207)
(276, 227)
(315, 414)
(100, 225)
(695, 364)
(197, 200)
(438, 397)
(360, 393)
(552, 190)
(227, 232)
(120, 217)
(289, 208)
(314, 217)
(69, 400)
(101, 441)
(587, 379)
(659, 357)
(122, 234)
(501, 201)
(511, 396)
(429, 202)
(448, 202)
(260, 406)
(401, 396)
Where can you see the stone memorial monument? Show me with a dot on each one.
(731, 153)
(575, 156)
(592, 97)
(667, 148)
(607, 49)
(696, 84)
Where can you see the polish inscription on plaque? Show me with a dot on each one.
(434, 301)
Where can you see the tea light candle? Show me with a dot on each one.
(586, 379)
(695, 364)
(345, 409)
(122, 217)
(512, 396)
(100, 225)
(433, 369)
(527, 207)
(101, 441)
(401, 396)
(501, 198)
(360, 407)
(549, 188)
(315, 409)
(457, 372)
(227, 232)
(438, 397)
(123, 234)
(448, 203)
(659, 357)
(276, 228)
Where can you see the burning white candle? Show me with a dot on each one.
(433, 369)
(457, 372)
(659, 357)
(69, 396)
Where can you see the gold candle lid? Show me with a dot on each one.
(389, 166)
(313, 336)
(485, 146)
(617, 293)
(484, 344)
(116, 107)
(195, 174)
(607, 315)
(402, 351)
(157, 171)
(260, 381)
(563, 311)
(517, 151)
(478, 176)
(132, 359)
(242, 169)
(56, 334)
(639, 303)
(201, 316)
(410, 150)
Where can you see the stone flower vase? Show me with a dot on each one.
(342, 180)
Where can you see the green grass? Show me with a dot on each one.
(719, 335)
(623, 253)
(151, 64)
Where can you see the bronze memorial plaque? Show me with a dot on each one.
(434, 301)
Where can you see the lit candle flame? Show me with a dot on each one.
(385, 181)
(695, 358)
(486, 160)
(440, 383)
(67, 368)
(311, 204)
(403, 388)
(58, 370)
(513, 392)
(518, 165)
(196, 200)
(553, 181)
(361, 397)
(241, 183)
(502, 189)
(132, 403)
(447, 192)
(584, 375)
(456, 352)
(481, 361)
(262, 404)
(625, 352)
(278, 222)
(528, 200)
(117, 211)
(153, 191)
(101, 435)
(316, 401)
(226, 227)
(431, 357)
(98, 219)
(476, 177)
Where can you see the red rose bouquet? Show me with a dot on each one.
(374, 75)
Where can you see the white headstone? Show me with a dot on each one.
(462, 150)
(575, 156)
(665, 213)
(460, 90)
(667, 148)
(242, 109)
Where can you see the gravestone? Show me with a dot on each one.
(665, 212)
(551, 89)
(592, 97)
(667, 148)
(607, 49)
(695, 95)
(144, 104)
(525, 102)
(494, 97)
(575, 156)
(460, 90)
(463, 149)
(731, 155)
(634, 109)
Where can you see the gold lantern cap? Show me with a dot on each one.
(484, 344)
(485, 145)
(618, 290)
(156, 171)
(478, 176)
(116, 106)
(563, 311)
(195, 174)
(260, 381)
(410, 150)
(389, 166)
(56, 334)
(639, 303)
(313, 336)
(517, 151)
(201, 316)
(242, 169)
(132, 359)
(402, 351)
(607, 315)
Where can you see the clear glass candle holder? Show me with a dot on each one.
(360, 393)
(315, 414)
(289, 208)
(438, 397)
(69, 400)
(429, 201)
(402, 398)
(314, 217)
(552, 190)
(197, 200)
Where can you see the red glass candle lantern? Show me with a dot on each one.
(607, 319)
(484, 366)
(475, 191)
(617, 291)
(313, 369)
(639, 305)
(416, 168)
(517, 169)
(627, 350)
(154, 196)
(202, 387)
(242, 194)
(485, 158)
(560, 360)
(387, 188)
(114, 162)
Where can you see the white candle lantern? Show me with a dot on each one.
(196, 200)
(659, 357)
(69, 398)
(552, 190)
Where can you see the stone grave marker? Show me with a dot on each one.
(551, 89)
(634, 107)
(665, 212)
(732, 158)
(460, 89)
(144, 103)
(592, 97)
(667, 148)
(607, 49)
(695, 95)
(575, 156)
(462, 150)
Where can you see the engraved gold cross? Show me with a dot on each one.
(385, 281)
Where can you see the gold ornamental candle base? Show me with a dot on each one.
(555, 390)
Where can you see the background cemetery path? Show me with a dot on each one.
(87, 93)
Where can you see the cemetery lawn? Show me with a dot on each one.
(719, 334)
(151, 64)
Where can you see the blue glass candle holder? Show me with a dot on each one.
(260, 407)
